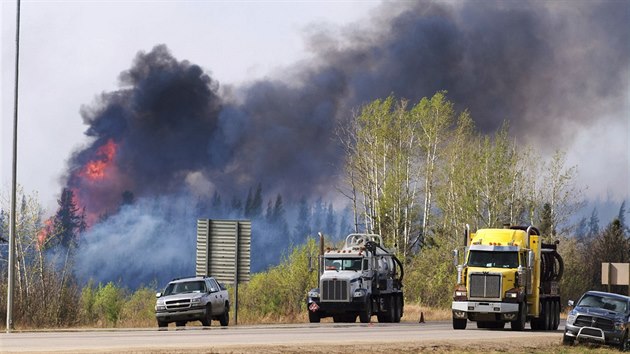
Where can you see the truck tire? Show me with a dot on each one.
(398, 308)
(556, 318)
(366, 315)
(566, 340)
(388, 315)
(547, 317)
(224, 320)
(180, 323)
(162, 324)
(519, 323)
(313, 317)
(459, 323)
(207, 320)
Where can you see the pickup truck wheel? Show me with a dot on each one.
(624, 345)
(459, 323)
(225, 317)
(162, 324)
(566, 340)
(366, 315)
(180, 323)
(313, 317)
(207, 320)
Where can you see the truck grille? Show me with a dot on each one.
(178, 304)
(487, 286)
(334, 290)
(590, 321)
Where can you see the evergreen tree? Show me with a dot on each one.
(269, 213)
(256, 206)
(593, 224)
(248, 205)
(216, 202)
(303, 223)
(278, 209)
(330, 220)
(622, 217)
(582, 229)
(67, 221)
(237, 207)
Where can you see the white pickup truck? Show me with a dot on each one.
(193, 299)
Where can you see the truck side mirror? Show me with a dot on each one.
(455, 257)
(158, 295)
(570, 303)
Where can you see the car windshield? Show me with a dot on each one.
(343, 264)
(603, 302)
(493, 259)
(196, 286)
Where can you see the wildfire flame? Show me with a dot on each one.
(45, 232)
(95, 169)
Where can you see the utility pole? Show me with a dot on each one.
(11, 266)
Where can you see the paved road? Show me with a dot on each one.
(199, 338)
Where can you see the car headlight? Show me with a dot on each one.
(571, 318)
(160, 307)
(359, 293)
(620, 325)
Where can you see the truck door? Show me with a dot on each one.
(216, 297)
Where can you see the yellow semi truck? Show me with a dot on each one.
(508, 275)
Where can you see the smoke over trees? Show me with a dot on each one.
(170, 137)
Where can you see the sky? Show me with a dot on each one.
(73, 51)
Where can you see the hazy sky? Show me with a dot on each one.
(72, 51)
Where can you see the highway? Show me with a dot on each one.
(256, 338)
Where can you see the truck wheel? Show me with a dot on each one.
(313, 317)
(566, 340)
(366, 315)
(207, 320)
(180, 323)
(225, 317)
(547, 317)
(459, 323)
(162, 324)
(519, 323)
(624, 345)
(556, 319)
(398, 309)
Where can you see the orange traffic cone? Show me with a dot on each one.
(421, 317)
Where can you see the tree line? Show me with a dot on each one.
(416, 174)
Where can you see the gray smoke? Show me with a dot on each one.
(548, 68)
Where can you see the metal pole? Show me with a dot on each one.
(11, 280)
(236, 256)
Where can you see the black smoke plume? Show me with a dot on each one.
(547, 67)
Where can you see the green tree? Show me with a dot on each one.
(109, 301)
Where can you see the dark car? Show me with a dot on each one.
(599, 317)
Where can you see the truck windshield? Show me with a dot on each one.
(493, 259)
(603, 302)
(185, 287)
(342, 264)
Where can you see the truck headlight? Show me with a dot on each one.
(160, 305)
(620, 326)
(571, 318)
(460, 293)
(512, 294)
(314, 293)
(359, 293)
(195, 300)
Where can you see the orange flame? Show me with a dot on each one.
(95, 169)
(45, 232)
